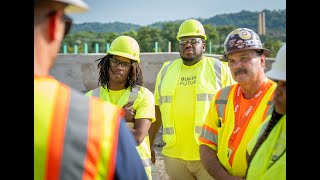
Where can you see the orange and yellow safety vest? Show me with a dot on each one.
(70, 133)
(219, 127)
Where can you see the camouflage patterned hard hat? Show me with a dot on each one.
(242, 39)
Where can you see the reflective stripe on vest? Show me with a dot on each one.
(74, 140)
(222, 102)
(203, 95)
(217, 69)
(170, 130)
(164, 99)
(134, 93)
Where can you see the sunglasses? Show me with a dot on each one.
(67, 22)
(193, 41)
(115, 63)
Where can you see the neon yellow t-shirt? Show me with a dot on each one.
(144, 104)
(183, 115)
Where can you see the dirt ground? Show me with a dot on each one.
(160, 172)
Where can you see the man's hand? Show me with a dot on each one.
(129, 112)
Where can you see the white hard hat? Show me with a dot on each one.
(75, 6)
(278, 69)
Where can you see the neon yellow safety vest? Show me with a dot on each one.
(134, 95)
(59, 153)
(212, 76)
(225, 110)
(269, 162)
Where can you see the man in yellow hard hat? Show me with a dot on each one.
(75, 137)
(183, 90)
(237, 111)
(121, 80)
(267, 150)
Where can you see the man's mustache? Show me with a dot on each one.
(240, 70)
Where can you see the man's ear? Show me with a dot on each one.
(204, 47)
(263, 60)
(53, 25)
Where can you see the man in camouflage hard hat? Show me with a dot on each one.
(237, 111)
(183, 90)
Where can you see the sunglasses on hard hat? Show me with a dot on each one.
(67, 22)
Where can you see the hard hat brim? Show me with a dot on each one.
(204, 37)
(276, 75)
(75, 6)
(266, 52)
(129, 56)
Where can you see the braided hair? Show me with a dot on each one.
(134, 78)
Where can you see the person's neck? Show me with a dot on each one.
(117, 86)
(193, 62)
(249, 90)
(41, 60)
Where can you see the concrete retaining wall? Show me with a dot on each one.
(80, 70)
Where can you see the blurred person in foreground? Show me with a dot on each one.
(71, 131)
(237, 111)
(183, 90)
(266, 153)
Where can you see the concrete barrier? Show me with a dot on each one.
(80, 70)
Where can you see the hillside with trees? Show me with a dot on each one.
(156, 37)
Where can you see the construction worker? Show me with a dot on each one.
(267, 150)
(70, 130)
(237, 111)
(121, 79)
(183, 90)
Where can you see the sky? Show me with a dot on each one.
(146, 12)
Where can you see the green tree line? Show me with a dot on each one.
(217, 28)
(147, 36)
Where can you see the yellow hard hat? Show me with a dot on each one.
(191, 27)
(278, 69)
(125, 46)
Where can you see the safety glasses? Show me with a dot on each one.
(115, 63)
(193, 41)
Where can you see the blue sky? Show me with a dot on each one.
(146, 12)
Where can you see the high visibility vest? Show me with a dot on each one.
(71, 132)
(144, 148)
(225, 110)
(209, 81)
(270, 160)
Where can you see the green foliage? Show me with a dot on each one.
(217, 28)
(116, 27)
(168, 34)
(273, 45)
(147, 37)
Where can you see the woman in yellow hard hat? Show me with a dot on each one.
(121, 79)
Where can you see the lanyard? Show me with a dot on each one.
(250, 106)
